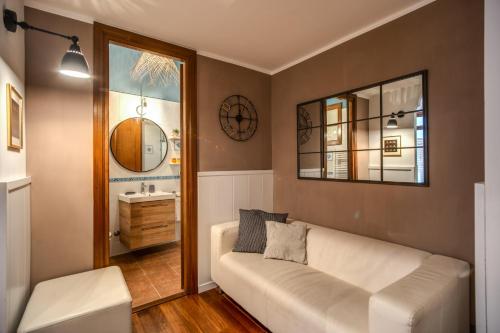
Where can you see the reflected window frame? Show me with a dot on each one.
(422, 112)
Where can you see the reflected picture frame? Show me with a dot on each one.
(15, 118)
(334, 132)
(392, 146)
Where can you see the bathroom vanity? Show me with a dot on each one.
(147, 219)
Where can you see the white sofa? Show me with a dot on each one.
(351, 284)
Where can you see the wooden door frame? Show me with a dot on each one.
(103, 35)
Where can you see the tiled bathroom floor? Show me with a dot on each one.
(152, 273)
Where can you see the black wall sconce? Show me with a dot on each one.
(393, 123)
(73, 62)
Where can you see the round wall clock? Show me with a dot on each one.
(238, 117)
(305, 126)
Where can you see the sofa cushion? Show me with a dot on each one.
(286, 242)
(288, 297)
(365, 262)
(252, 230)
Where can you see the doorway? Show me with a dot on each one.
(145, 165)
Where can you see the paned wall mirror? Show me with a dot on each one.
(374, 134)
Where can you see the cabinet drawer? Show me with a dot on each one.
(144, 224)
(147, 235)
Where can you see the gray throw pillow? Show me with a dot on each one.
(286, 242)
(252, 230)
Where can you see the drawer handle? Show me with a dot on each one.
(154, 227)
(153, 205)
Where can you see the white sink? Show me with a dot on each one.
(143, 197)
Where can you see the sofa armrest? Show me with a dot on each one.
(433, 298)
(223, 239)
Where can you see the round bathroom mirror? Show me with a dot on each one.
(139, 144)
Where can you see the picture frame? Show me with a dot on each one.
(392, 146)
(333, 132)
(177, 145)
(15, 110)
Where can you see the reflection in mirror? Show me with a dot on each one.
(337, 164)
(402, 161)
(364, 137)
(138, 144)
(309, 115)
(411, 169)
(336, 141)
(310, 165)
(402, 95)
(313, 142)
(367, 103)
(367, 163)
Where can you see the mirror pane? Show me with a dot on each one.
(335, 110)
(309, 115)
(367, 165)
(138, 144)
(310, 165)
(367, 103)
(402, 95)
(405, 165)
(309, 140)
(336, 163)
(366, 134)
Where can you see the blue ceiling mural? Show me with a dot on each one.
(121, 62)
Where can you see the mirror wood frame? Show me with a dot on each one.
(103, 36)
(350, 134)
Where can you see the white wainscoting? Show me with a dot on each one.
(15, 251)
(220, 196)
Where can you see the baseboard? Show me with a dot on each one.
(206, 286)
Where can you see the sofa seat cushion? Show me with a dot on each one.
(289, 297)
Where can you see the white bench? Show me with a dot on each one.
(95, 301)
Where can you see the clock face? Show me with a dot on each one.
(238, 117)
(305, 126)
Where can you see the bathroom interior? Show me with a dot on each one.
(144, 172)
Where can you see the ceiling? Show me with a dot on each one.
(265, 35)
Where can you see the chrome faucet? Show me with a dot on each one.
(143, 188)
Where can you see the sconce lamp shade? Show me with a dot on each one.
(74, 63)
(392, 123)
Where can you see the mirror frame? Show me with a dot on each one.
(349, 135)
(116, 159)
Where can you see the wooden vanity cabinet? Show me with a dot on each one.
(144, 224)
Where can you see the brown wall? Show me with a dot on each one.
(12, 44)
(217, 152)
(59, 155)
(59, 130)
(445, 37)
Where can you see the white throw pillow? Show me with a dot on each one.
(286, 242)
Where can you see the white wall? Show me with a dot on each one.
(220, 196)
(492, 161)
(12, 162)
(15, 251)
(167, 115)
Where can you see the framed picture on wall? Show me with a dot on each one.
(14, 118)
(392, 146)
(177, 145)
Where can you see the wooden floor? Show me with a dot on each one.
(151, 274)
(208, 312)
